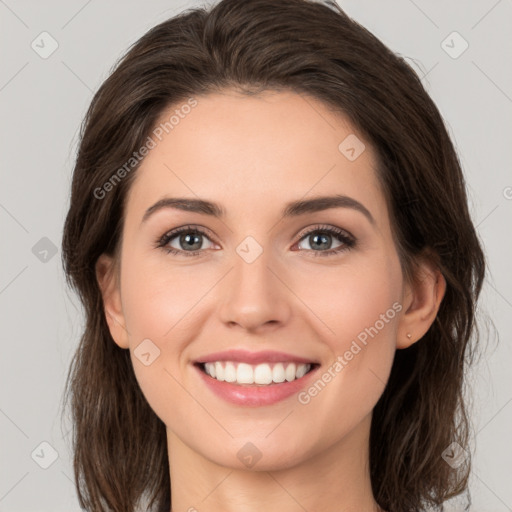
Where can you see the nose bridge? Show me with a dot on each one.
(253, 295)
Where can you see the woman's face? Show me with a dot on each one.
(265, 279)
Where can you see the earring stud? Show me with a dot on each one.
(409, 335)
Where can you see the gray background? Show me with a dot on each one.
(42, 103)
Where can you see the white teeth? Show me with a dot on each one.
(301, 371)
(209, 368)
(244, 374)
(219, 371)
(290, 372)
(278, 374)
(261, 374)
(230, 372)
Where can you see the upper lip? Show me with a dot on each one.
(245, 356)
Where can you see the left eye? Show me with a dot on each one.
(321, 238)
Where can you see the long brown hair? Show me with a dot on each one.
(119, 444)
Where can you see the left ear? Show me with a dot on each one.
(422, 298)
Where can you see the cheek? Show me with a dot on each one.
(157, 298)
(158, 307)
(359, 310)
(365, 312)
(353, 301)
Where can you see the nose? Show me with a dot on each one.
(254, 297)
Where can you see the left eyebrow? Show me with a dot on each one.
(321, 203)
(291, 209)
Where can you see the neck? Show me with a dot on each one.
(334, 479)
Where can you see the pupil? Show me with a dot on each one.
(186, 241)
(323, 243)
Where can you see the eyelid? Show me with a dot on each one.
(327, 228)
(196, 228)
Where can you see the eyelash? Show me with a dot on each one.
(347, 240)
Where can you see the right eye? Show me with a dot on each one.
(189, 240)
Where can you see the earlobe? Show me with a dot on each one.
(422, 301)
(110, 291)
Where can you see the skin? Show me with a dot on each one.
(252, 155)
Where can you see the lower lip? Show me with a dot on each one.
(255, 396)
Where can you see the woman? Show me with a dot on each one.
(270, 235)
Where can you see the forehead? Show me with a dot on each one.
(259, 150)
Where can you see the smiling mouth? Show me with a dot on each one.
(263, 374)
